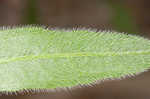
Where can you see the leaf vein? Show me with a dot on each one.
(70, 55)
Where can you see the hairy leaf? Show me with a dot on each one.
(34, 57)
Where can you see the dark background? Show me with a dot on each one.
(130, 16)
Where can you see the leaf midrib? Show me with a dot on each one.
(70, 55)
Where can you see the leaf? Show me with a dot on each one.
(38, 58)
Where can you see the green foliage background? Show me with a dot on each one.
(122, 19)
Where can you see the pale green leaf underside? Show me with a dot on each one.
(33, 57)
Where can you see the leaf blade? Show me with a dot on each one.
(32, 57)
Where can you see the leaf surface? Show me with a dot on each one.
(33, 57)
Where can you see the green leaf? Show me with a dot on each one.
(38, 58)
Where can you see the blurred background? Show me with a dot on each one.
(131, 16)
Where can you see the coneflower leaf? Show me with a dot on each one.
(38, 58)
